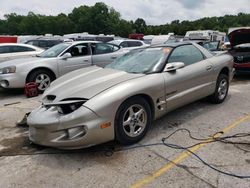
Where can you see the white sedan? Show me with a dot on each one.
(10, 51)
(129, 43)
(55, 62)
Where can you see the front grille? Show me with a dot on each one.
(242, 58)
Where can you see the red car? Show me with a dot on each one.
(240, 48)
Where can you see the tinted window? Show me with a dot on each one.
(4, 49)
(134, 43)
(33, 42)
(100, 48)
(43, 43)
(79, 50)
(124, 44)
(187, 54)
(20, 49)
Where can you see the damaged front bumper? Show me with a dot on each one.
(79, 129)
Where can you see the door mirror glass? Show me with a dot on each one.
(66, 56)
(173, 66)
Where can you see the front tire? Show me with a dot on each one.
(133, 120)
(221, 89)
(43, 79)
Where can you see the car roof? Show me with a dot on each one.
(46, 39)
(19, 44)
(83, 41)
(121, 40)
(173, 45)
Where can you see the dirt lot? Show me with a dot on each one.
(109, 165)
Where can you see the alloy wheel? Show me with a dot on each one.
(134, 120)
(43, 81)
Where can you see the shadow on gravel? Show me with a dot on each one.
(241, 78)
(11, 92)
(21, 145)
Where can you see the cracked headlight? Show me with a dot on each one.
(7, 70)
(67, 106)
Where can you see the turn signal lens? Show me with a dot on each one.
(105, 125)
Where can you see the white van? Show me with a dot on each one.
(160, 39)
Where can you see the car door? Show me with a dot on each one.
(104, 53)
(190, 83)
(80, 58)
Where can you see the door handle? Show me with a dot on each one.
(85, 60)
(209, 67)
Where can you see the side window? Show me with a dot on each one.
(79, 50)
(124, 44)
(20, 49)
(187, 54)
(134, 43)
(4, 49)
(101, 48)
(30, 42)
(42, 44)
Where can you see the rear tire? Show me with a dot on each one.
(43, 79)
(221, 89)
(133, 120)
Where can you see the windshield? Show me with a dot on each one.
(145, 61)
(54, 51)
(116, 42)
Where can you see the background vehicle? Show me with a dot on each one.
(161, 39)
(44, 43)
(148, 39)
(240, 48)
(55, 62)
(8, 39)
(137, 36)
(208, 35)
(10, 51)
(88, 37)
(95, 105)
(129, 43)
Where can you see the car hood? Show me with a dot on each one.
(22, 61)
(239, 36)
(85, 83)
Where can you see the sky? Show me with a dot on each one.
(154, 12)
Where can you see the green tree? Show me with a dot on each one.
(140, 25)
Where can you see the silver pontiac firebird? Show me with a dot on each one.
(95, 105)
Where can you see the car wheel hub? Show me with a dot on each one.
(222, 90)
(134, 120)
(43, 81)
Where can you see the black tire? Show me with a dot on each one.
(218, 96)
(122, 131)
(36, 75)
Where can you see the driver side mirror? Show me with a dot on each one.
(173, 66)
(66, 56)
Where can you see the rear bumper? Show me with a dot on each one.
(242, 67)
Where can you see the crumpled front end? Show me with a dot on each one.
(78, 129)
